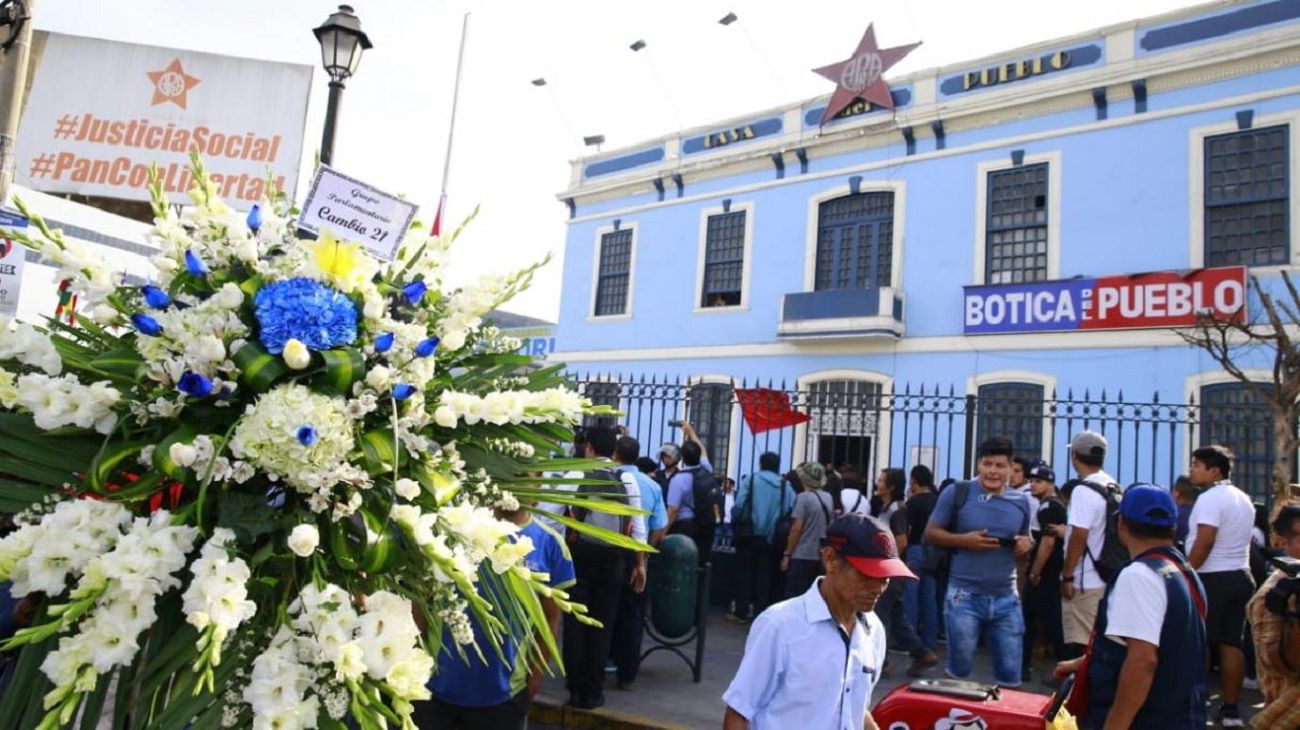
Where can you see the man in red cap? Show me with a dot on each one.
(787, 677)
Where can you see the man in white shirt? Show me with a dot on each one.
(792, 675)
(1081, 585)
(1218, 547)
(1144, 668)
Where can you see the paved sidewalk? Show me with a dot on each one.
(665, 697)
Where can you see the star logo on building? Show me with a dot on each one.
(171, 84)
(862, 75)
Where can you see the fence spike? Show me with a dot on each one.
(1121, 395)
(1155, 397)
(1103, 395)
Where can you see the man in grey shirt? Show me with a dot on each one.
(811, 515)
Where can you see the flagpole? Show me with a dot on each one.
(451, 128)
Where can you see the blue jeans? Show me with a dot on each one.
(920, 602)
(998, 619)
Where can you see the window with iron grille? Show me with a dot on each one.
(1015, 243)
(855, 242)
(614, 272)
(724, 260)
(844, 423)
(709, 411)
(1013, 411)
(1247, 190)
(1234, 415)
(601, 394)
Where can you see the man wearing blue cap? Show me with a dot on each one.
(787, 677)
(1146, 665)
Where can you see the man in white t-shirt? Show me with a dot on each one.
(1081, 585)
(1144, 668)
(1218, 547)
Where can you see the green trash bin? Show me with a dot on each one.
(673, 586)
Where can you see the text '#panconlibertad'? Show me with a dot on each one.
(175, 177)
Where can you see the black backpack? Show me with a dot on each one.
(616, 523)
(1114, 556)
(707, 498)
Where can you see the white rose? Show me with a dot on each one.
(296, 355)
(375, 307)
(183, 454)
(378, 377)
(444, 416)
(303, 540)
(230, 296)
(407, 488)
(211, 348)
(246, 250)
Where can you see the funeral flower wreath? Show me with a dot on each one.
(260, 490)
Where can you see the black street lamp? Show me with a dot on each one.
(341, 44)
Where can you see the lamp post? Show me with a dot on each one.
(341, 44)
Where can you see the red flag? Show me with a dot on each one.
(436, 229)
(765, 409)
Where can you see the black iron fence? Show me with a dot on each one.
(865, 426)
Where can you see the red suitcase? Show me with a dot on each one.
(949, 704)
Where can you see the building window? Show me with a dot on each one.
(614, 272)
(1013, 411)
(709, 411)
(1234, 415)
(601, 394)
(843, 424)
(1015, 243)
(724, 260)
(855, 242)
(1246, 198)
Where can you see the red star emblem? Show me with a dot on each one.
(171, 84)
(862, 75)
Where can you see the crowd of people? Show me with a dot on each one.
(1140, 593)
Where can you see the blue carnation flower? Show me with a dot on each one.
(304, 310)
(402, 391)
(195, 264)
(384, 342)
(426, 347)
(414, 291)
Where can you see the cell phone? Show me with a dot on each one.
(675, 423)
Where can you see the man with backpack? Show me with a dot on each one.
(695, 496)
(1145, 667)
(761, 499)
(1218, 547)
(812, 514)
(601, 570)
(986, 525)
(1093, 553)
(1043, 579)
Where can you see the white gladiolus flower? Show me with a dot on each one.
(303, 540)
(296, 355)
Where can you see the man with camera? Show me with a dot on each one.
(1274, 614)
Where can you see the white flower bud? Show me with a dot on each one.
(303, 540)
(296, 355)
(378, 377)
(407, 488)
(444, 416)
(183, 454)
(230, 296)
(211, 348)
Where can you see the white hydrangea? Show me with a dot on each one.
(24, 343)
(267, 436)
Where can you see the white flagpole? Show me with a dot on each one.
(451, 129)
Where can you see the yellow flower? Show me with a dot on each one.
(345, 265)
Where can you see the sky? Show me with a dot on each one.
(513, 141)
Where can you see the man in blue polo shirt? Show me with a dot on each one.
(812, 661)
(494, 693)
(986, 525)
(629, 626)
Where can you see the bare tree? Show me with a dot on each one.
(1272, 330)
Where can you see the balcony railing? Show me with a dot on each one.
(832, 313)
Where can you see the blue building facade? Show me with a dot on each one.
(860, 260)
